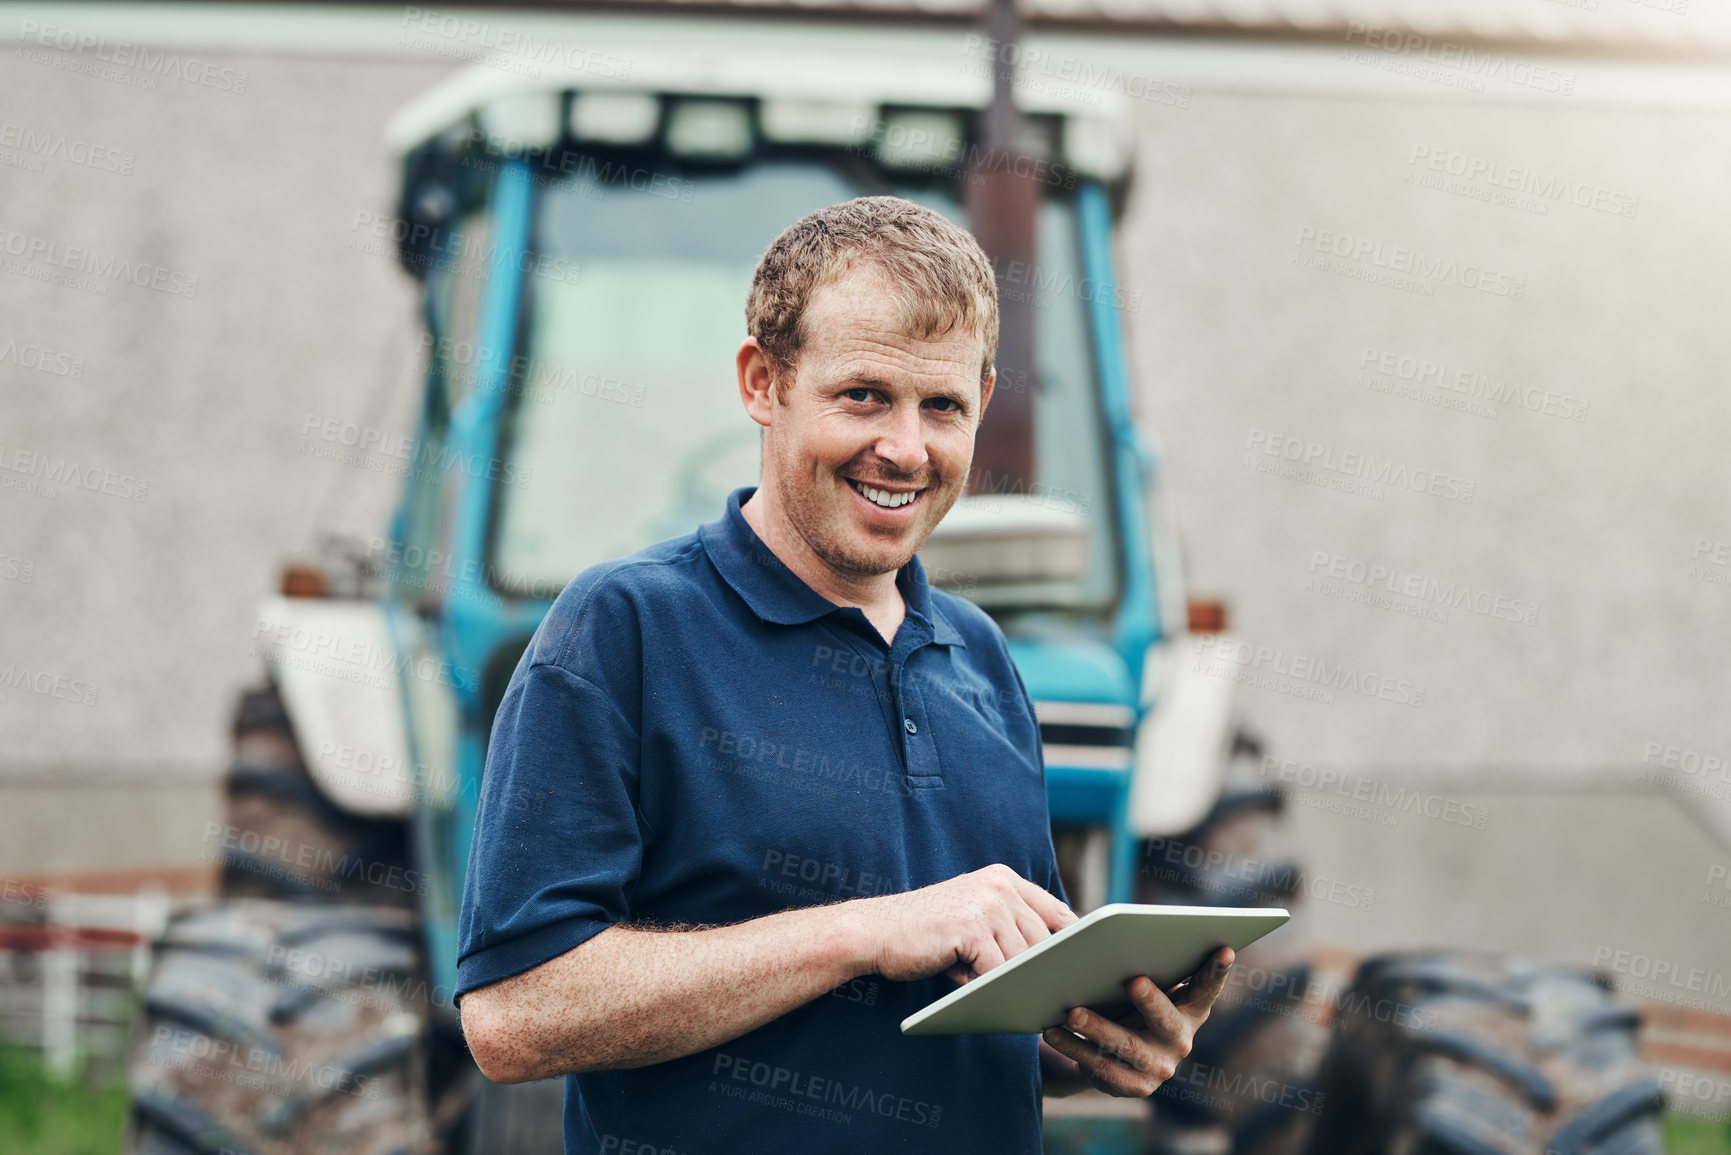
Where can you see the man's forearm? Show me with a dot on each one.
(631, 997)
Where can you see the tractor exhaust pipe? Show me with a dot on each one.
(1003, 199)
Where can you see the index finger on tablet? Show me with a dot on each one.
(1045, 904)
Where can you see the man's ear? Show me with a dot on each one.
(756, 380)
(986, 390)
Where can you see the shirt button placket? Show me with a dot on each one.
(920, 754)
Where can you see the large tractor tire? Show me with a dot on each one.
(284, 839)
(281, 1028)
(1248, 1087)
(1449, 1054)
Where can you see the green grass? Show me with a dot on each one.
(1686, 1136)
(42, 1115)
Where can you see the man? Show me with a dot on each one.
(756, 794)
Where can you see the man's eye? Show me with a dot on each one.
(944, 403)
(859, 394)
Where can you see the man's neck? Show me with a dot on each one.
(874, 595)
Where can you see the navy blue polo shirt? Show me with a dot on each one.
(696, 736)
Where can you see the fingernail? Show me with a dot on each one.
(1077, 1017)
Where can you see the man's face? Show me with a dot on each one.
(869, 445)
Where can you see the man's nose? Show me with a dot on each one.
(902, 441)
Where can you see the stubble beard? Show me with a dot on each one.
(805, 512)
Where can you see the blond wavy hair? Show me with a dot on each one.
(941, 277)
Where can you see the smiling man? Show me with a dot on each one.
(756, 794)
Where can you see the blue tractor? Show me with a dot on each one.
(583, 234)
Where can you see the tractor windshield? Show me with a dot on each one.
(626, 424)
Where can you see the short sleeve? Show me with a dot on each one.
(558, 846)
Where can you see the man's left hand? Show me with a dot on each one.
(1134, 1054)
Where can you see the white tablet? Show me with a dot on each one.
(1087, 964)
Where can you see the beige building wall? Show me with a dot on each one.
(1594, 630)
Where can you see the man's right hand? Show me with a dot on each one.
(963, 927)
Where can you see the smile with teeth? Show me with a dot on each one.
(884, 497)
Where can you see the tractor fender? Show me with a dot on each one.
(339, 676)
(1182, 743)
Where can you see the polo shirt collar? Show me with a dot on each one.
(777, 594)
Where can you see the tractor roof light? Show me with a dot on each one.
(920, 138)
(787, 120)
(1037, 136)
(521, 122)
(614, 117)
(1098, 145)
(709, 129)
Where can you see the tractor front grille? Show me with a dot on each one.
(1086, 735)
